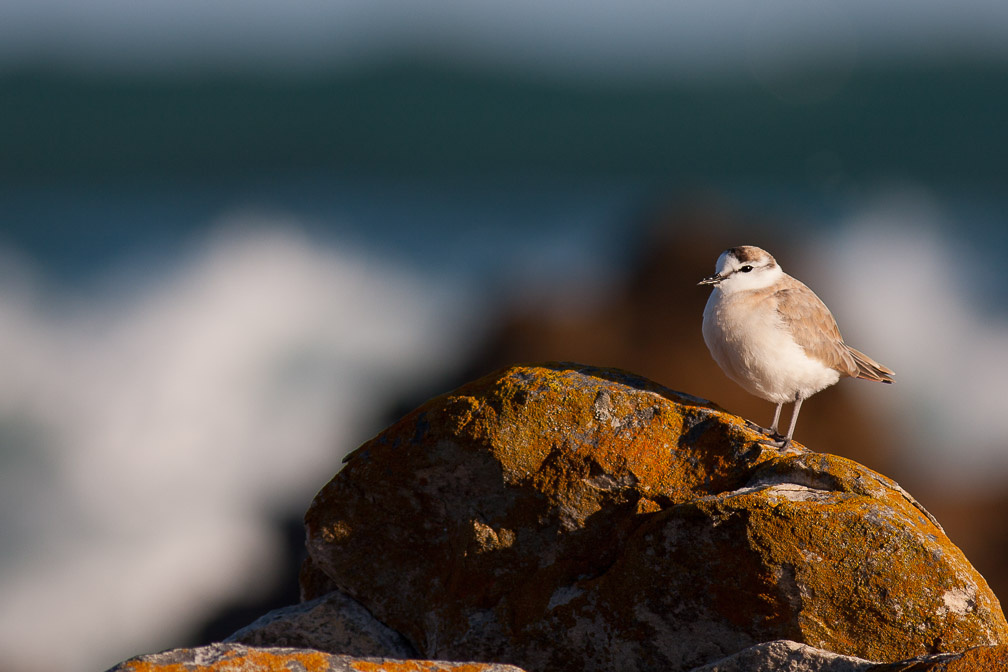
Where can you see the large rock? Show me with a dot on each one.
(785, 656)
(335, 623)
(777, 656)
(240, 658)
(978, 659)
(566, 517)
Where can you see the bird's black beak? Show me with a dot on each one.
(711, 279)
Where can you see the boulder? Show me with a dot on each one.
(785, 656)
(565, 517)
(334, 623)
(776, 656)
(782, 655)
(978, 659)
(240, 658)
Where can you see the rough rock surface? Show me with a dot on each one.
(979, 659)
(783, 655)
(777, 656)
(566, 517)
(241, 658)
(334, 623)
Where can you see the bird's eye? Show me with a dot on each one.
(745, 269)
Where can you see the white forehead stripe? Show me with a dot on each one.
(722, 261)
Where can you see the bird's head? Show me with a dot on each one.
(744, 268)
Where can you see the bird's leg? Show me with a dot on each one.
(772, 431)
(794, 420)
(776, 419)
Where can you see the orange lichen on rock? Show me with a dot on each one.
(981, 658)
(570, 517)
(977, 659)
(416, 666)
(238, 659)
(234, 657)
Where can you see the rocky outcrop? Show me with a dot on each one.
(567, 517)
(240, 658)
(777, 656)
(978, 659)
(783, 655)
(334, 622)
(563, 517)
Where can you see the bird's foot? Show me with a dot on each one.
(780, 442)
(775, 438)
(784, 445)
(763, 430)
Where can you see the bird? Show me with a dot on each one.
(773, 336)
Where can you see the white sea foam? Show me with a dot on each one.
(908, 291)
(146, 430)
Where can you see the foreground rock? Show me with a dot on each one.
(777, 656)
(790, 656)
(785, 656)
(979, 659)
(240, 658)
(335, 623)
(571, 518)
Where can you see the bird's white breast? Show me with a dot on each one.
(752, 345)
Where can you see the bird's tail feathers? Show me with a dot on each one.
(869, 369)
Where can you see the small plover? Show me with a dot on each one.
(773, 336)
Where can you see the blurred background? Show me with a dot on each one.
(239, 238)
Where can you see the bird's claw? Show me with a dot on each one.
(762, 430)
(780, 442)
(776, 439)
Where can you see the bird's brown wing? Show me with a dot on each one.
(813, 327)
(869, 369)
